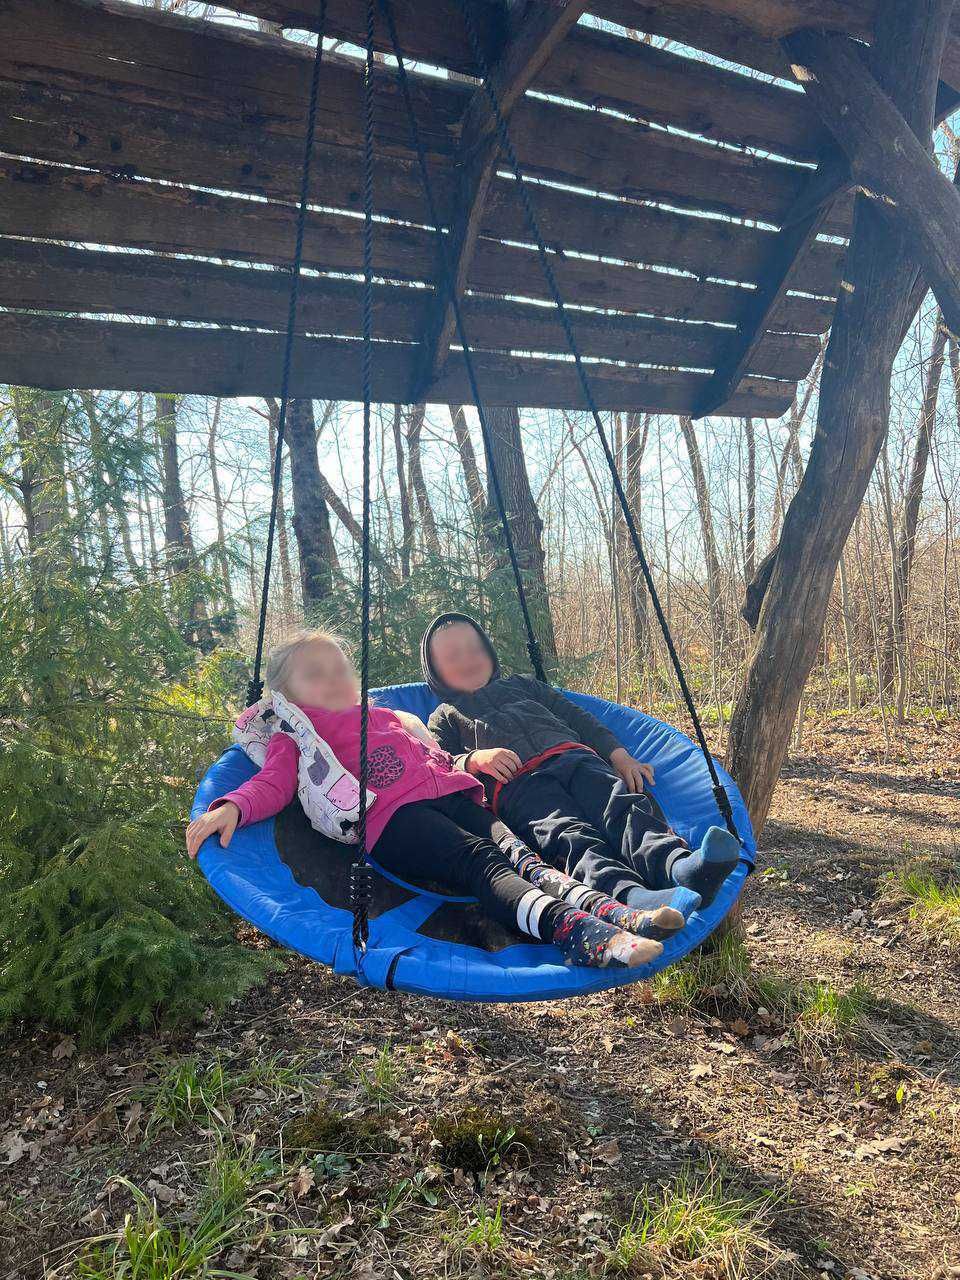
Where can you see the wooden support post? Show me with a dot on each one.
(851, 425)
(891, 163)
(801, 225)
(798, 231)
(536, 32)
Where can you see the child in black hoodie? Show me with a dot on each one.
(560, 780)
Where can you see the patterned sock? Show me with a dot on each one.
(660, 923)
(585, 940)
(704, 870)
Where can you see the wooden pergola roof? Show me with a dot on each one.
(697, 212)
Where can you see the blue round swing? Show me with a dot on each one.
(294, 886)
(284, 878)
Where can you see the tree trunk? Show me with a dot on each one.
(311, 517)
(176, 519)
(417, 483)
(403, 484)
(638, 430)
(705, 514)
(468, 460)
(43, 486)
(849, 633)
(907, 539)
(223, 560)
(750, 535)
(100, 449)
(871, 318)
(283, 537)
(525, 523)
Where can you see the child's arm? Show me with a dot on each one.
(261, 796)
(499, 762)
(592, 733)
(414, 725)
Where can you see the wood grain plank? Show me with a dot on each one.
(42, 351)
(59, 204)
(51, 277)
(84, 128)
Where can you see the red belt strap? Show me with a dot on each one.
(534, 762)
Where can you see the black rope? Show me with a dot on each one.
(533, 647)
(360, 878)
(255, 687)
(719, 791)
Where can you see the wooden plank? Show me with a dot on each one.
(523, 56)
(60, 204)
(672, 88)
(86, 129)
(45, 351)
(887, 158)
(715, 33)
(566, 144)
(748, 33)
(50, 277)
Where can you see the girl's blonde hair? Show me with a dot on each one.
(281, 657)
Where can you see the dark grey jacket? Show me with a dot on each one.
(518, 712)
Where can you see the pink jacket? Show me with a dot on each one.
(402, 768)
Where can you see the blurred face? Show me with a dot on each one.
(460, 658)
(321, 675)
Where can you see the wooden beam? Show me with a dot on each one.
(798, 234)
(45, 351)
(538, 31)
(50, 277)
(44, 201)
(795, 238)
(749, 32)
(892, 165)
(82, 128)
(246, 102)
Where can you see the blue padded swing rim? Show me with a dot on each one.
(253, 880)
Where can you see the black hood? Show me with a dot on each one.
(431, 677)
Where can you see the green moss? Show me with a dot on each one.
(478, 1140)
(323, 1128)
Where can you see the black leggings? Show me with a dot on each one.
(453, 840)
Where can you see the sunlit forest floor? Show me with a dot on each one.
(789, 1106)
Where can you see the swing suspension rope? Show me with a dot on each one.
(255, 687)
(506, 146)
(360, 876)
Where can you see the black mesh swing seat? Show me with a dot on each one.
(332, 902)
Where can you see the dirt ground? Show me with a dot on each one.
(846, 1145)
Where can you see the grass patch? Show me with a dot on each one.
(381, 1081)
(188, 1089)
(481, 1141)
(698, 1217)
(481, 1234)
(934, 904)
(724, 982)
(152, 1246)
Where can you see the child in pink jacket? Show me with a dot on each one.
(427, 821)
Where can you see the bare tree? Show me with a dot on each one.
(311, 516)
(525, 523)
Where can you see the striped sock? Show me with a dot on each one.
(659, 923)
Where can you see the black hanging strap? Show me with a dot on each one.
(360, 877)
(255, 687)
(533, 647)
(506, 145)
